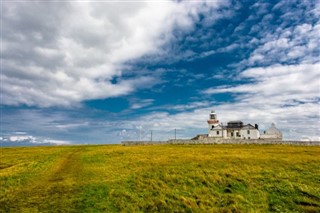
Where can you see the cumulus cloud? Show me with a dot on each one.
(56, 142)
(19, 138)
(290, 45)
(287, 34)
(282, 83)
(60, 53)
(29, 140)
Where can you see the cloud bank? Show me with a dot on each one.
(79, 52)
(23, 139)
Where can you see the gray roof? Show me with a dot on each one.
(248, 126)
(220, 126)
(235, 121)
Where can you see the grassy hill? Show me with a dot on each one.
(160, 178)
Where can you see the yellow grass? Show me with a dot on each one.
(160, 178)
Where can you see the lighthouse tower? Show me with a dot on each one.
(213, 121)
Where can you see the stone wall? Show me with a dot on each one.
(222, 141)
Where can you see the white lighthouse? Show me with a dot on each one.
(215, 128)
(213, 122)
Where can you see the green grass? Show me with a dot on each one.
(160, 178)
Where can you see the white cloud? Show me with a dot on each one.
(26, 140)
(56, 142)
(137, 104)
(60, 53)
(71, 125)
(183, 107)
(280, 85)
(19, 138)
(292, 44)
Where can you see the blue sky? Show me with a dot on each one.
(104, 71)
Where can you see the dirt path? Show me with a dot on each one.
(68, 168)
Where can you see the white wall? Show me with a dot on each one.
(235, 135)
(222, 133)
(253, 134)
(271, 136)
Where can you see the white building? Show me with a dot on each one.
(272, 133)
(233, 130)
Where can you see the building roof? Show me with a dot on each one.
(219, 127)
(236, 121)
(248, 126)
(200, 136)
(234, 125)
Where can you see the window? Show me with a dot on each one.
(231, 134)
(248, 132)
(217, 132)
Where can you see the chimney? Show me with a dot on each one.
(256, 126)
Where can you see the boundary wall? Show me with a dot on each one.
(221, 141)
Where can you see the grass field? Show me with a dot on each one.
(160, 178)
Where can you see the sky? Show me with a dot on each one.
(99, 72)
